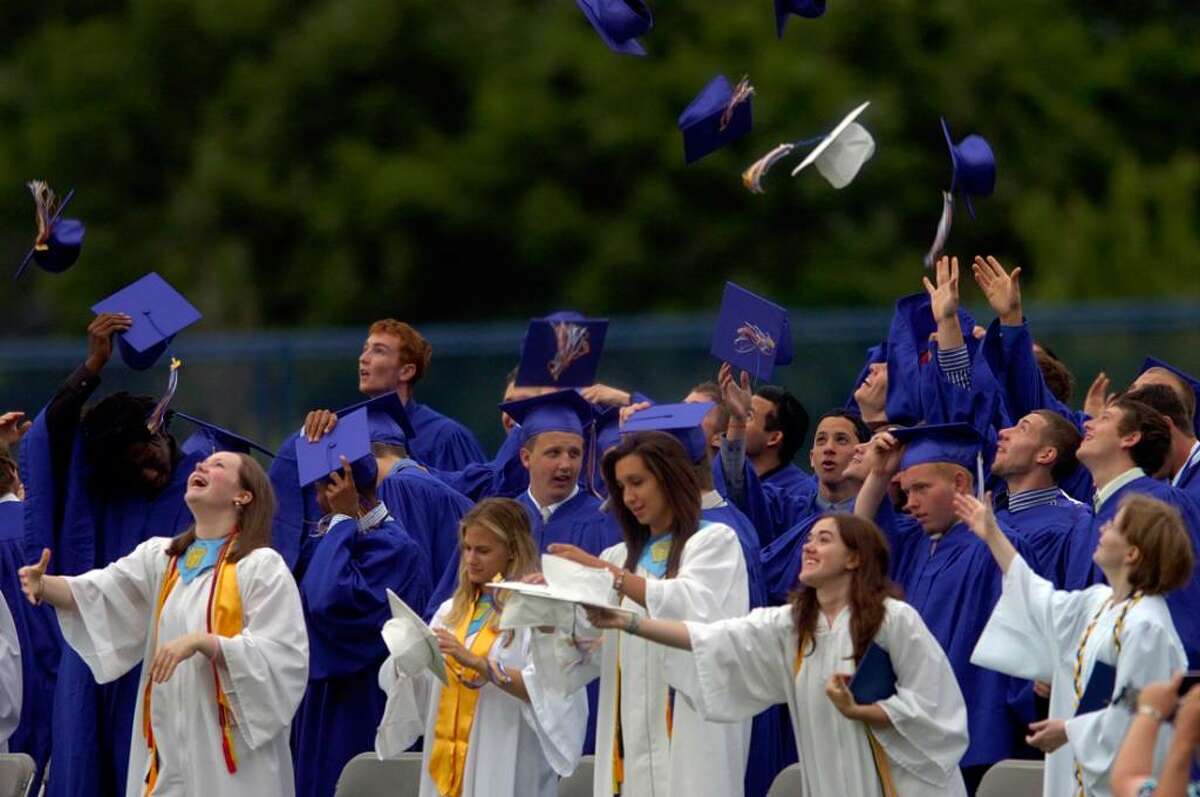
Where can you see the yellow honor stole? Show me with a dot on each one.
(456, 708)
(224, 618)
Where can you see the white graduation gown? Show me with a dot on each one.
(744, 665)
(515, 749)
(264, 674)
(10, 676)
(700, 758)
(1034, 632)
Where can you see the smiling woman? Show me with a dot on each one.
(217, 722)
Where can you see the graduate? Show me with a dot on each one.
(553, 428)
(96, 487)
(804, 654)
(946, 572)
(216, 617)
(1176, 400)
(11, 685)
(672, 565)
(1074, 638)
(34, 625)
(1032, 457)
(359, 552)
(491, 729)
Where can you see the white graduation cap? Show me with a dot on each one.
(410, 641)
(567, 583)
(841, 154)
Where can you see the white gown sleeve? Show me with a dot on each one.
(1150, 652)
(113, 610)
(265, 668)
(406, 710)
(741, 665)
(10, 675)
(558, 718)
(565, 663)
(1033, 625)
(711, 568)
(928, 736)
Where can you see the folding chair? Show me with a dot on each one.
(787, 783)
(366, 776)
(16, 774)
(579, 784)
(1012, 778)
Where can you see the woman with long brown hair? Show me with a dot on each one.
(671, 565)
(215, 618)
(803, 654)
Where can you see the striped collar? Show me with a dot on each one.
(1028, 499)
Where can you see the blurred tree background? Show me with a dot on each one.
(326, 162)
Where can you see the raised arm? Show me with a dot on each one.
(883, 462)
(672, 633)
(39, 587)
(979, 517)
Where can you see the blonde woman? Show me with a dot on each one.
(214, 617)
(490, 731)
(1038, 632)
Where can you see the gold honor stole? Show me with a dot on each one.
(883, 767)
(456, 711)
(223, 618)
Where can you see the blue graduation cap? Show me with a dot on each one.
(210, 438)
(974, 166)
(387, 419)
(801, 8)
(1099, 690)
(59, 240)
(752, 333)
(874, 679)
(679, 420)
(719, 114)
(956, 443)
(159, 313)
(913, 323)
(1154, 362)
(350, 439)
(561, 411)
(619, 23)
(561, 350)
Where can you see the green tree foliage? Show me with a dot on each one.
(329, 161)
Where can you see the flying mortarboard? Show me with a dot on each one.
(59, 240)
(561, 411)
(350, 439)
(955, 443)
(210, 438)
(1188, 379)
(619, 23)
(387, 419)
(974, 166)
(159, 313)
(561, 350)
(801, 8)
(682, 421)
(839, 155)
(410, 641)
(719, 114)
(752, 333)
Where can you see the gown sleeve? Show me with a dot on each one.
(928, 734)
(741, 664)
(1032, 626)
(405, 712)
(264, 671)
(558, 718)
(1150, 652)
(10, 675)
(113, 609)
(711, 567)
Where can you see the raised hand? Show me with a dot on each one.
(977, 515)
(883, 455)
(1098, 395)
(100, 333)
(1002, 289)
(737, 394)
(628, 412)
(13, 427)
(341, 496)
(605, 396)
(943, 297)
(318, 423)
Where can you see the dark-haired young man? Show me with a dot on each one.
(1174, 395)
(775, 430)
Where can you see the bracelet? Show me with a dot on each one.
(631, 627)
(500, 676)
(619, 582)
(1150, 711)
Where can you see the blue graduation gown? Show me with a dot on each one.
(503, 475)
(791, 478)
(1188, 478)
(954, 586)
(773, 505)
(345, 606)
(91, 723)
(440, 442)
(428, 510)
(1082, 572)
(37, 633)
(1048, 531)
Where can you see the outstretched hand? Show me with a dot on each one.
(943, 297)
(605, 396)
(601, 617)
(578, 556)
(31, 578)
(736, 393)
(1002, 289)
(100, 333)
(978, 515)
(1098, 395)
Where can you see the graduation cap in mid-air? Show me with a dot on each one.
(838, 154)
(210, 438)
(682, 421)
(619, 23)
(752, 333)
(974, 166)
(561, 350)
(784, 9)
(350, 439)
(159, 312)
(1184, 376)
(561, 411)
(59, 241)
(719, 114)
